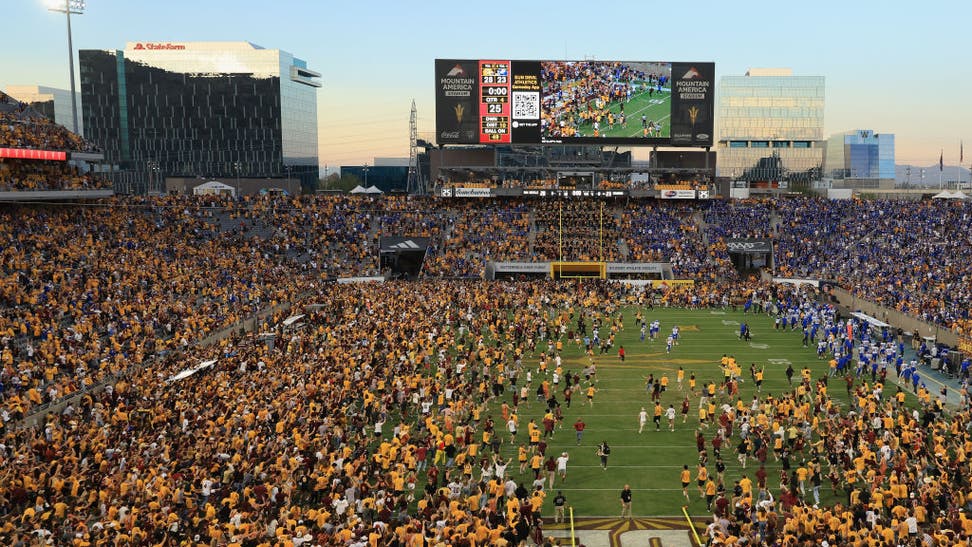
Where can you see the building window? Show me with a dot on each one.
(737, 144)
(760, 144)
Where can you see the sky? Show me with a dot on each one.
(891, 66)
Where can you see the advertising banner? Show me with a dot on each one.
(456, 98)
(749, 246)
(633, 268)
(393, 244)
(472, 192)
(677, 194)
(665, 284)
(32, 154)
(693, 90)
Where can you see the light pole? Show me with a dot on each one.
(365, 175)
(154, 182)
(236, 167)
(77, 8)
(288, 168)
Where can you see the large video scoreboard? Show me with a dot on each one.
(574, 102)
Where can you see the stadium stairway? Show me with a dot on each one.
(532, 236)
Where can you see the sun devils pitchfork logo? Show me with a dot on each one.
(693, 114)
(460, 110)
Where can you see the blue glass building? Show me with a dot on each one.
(860, 159)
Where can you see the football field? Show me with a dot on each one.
(655, 107)
(650, 462)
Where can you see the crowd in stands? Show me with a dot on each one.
(367, 426)
(908, 255)
(601, 183)
(22, 127)
(16, 174)
(576, 230)
(736, 220)
(479, 231)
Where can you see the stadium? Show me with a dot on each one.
(523, 355)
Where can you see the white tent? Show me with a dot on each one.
(359, 190)
(213, 187)
(948, 194)
(373, 190)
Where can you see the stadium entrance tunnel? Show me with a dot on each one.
(402, 256)
(750, 255)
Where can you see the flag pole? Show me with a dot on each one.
(941, 167)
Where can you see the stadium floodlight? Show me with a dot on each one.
(67, 7)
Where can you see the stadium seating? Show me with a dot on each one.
(22, 127)
(329, 436)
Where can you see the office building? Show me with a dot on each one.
(771, 127)
(52, 102)
(202, 109)
(860, 159)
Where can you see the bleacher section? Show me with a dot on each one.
(26, 140)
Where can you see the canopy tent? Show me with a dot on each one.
(949, 194)
(359, 190)
(372, 190)
(213, 187)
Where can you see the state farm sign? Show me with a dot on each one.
(158, 46)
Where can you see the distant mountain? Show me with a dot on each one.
(951, 173)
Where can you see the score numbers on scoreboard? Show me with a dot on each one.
(494, 102)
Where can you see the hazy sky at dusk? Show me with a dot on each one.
(891, 66)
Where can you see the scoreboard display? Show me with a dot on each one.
(574, 102)
(494, 101)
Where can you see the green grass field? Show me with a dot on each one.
(657, 108)
(651, 462)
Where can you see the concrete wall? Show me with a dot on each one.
(896, 318)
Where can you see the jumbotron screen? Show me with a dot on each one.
(574, 102)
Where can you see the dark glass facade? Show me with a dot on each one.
(387, 178)
(202, 110)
